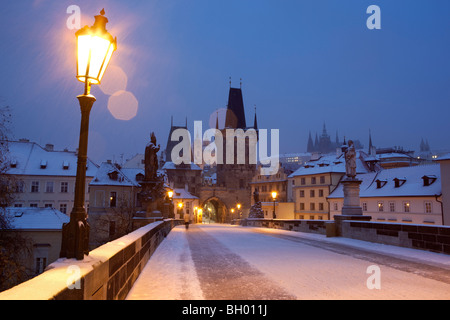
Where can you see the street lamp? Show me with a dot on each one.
(95, 47)
(274, 198)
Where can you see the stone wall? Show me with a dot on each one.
(431, 238)
(108, 273)
(310, 226)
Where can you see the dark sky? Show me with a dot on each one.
(302, 63)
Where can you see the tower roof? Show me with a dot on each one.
(235, 117)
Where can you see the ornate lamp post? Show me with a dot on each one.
(274, 198)
(95, 47)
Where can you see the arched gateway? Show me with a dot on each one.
(221, 204)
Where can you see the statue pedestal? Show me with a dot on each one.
(256, 211)
(351, 197)
(351, 210)
(149, 199)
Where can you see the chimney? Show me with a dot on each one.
(49, 147)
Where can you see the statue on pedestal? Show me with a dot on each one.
(256, 209)
(151, 159)
(350, 160)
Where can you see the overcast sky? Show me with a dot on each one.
(302, 63)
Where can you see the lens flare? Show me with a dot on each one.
(123, 105)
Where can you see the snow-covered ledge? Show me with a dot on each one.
(107, 273)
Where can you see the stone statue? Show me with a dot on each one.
(256, 196)
(151, 159)
(350, 160)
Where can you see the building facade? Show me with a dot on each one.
(312, 183)
(45, 177)
(404, 195)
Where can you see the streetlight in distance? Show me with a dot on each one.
(95, 47)
(274, 198)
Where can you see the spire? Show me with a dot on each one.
(316, 143)
(255, 122)
(217, 119)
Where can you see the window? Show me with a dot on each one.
(391, 206)
(33, 205)
(49, 186)
(112, 199)
(380, 207)
(41, 263)
(313, 180)
(428, 207)
(34, 186)
(302, 193)
(64, 187)
(312, 193)
(322, 179)
(320, 193)
(48, 205)
(364, 206)
(406, 206)
(302, 206)
(312, 206)
(335, 206)
(302, 181)
(20, 187)
(63, 208)
(321, 206)
(17, 205)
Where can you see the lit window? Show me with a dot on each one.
(406, 206)
(380, 207)
(112, 199)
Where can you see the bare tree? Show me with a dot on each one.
(14, 248)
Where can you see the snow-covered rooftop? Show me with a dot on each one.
(25, 218)
(412, 182)
(110, 174)
(172, 166)
(29, 158)
(329, 164)
(179, 193)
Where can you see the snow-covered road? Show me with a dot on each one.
(216, 262)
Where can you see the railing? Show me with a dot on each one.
(108, 273)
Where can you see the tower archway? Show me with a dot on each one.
(215, 211)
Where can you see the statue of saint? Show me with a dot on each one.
(151, 159)
(256, 196)
(350, 160)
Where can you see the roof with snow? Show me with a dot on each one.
(36, 218)
(172, 166)
(29, 158)
(329, 164)
(111, 174)
(414, 181)
(179, 193)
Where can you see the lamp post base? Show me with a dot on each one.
(75, 237)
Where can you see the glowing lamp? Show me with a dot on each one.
(95, 46)
(274, 195)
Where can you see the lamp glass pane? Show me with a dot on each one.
(84, 47)
(99, 50)
(106, 62)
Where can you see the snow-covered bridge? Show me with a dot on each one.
(163, 260)
(232, 262)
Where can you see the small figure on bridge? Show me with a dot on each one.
(187, 219)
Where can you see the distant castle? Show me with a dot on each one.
(324, 145)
